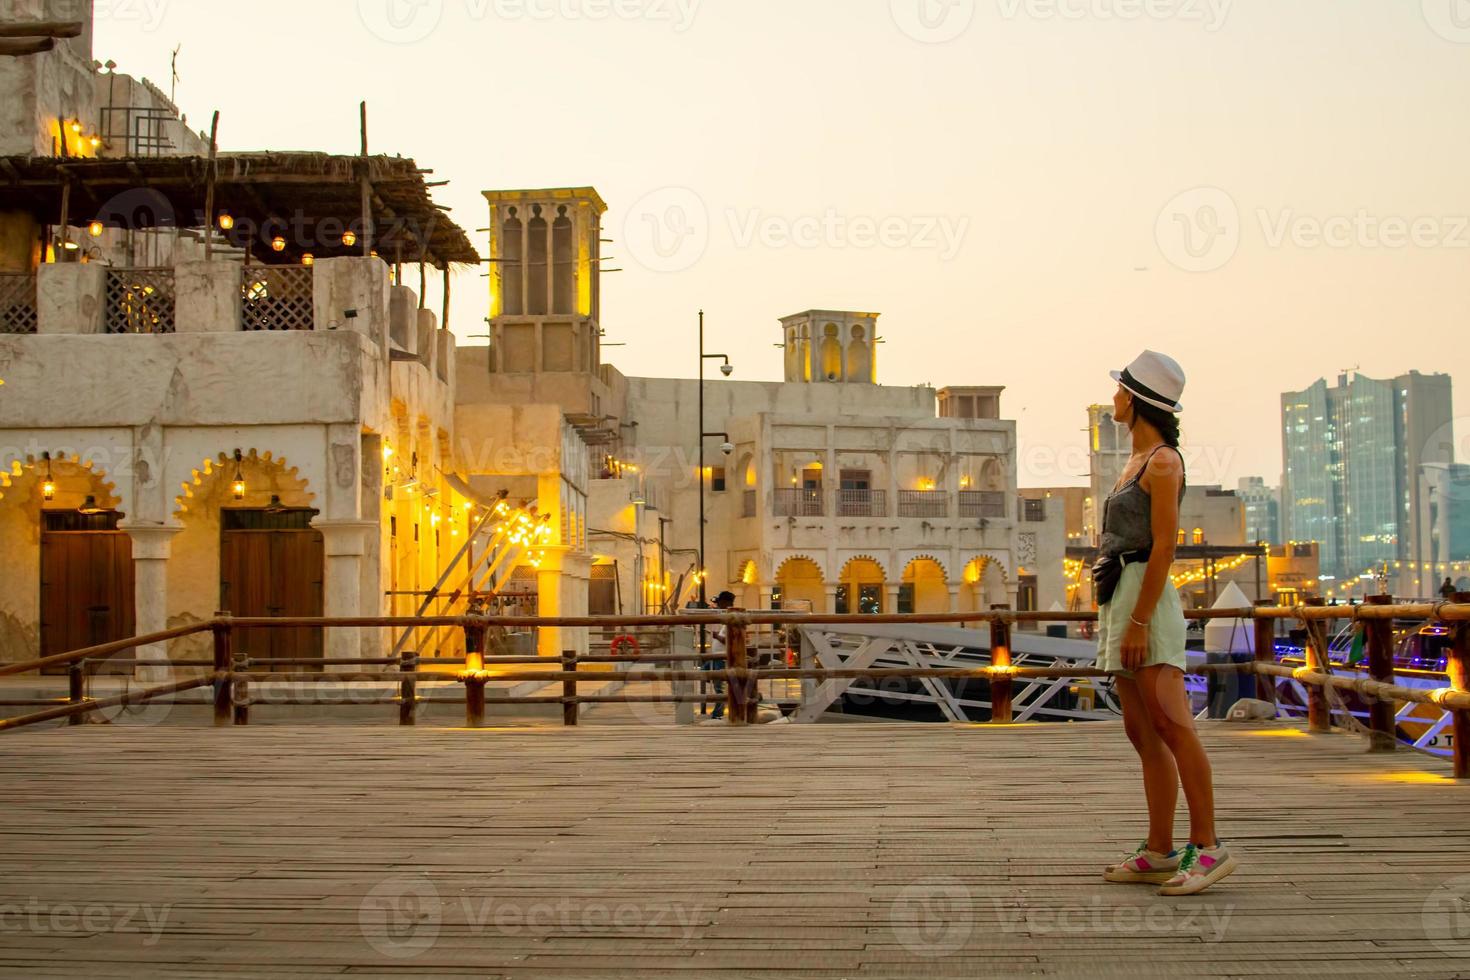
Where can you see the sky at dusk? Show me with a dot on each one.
(1029, 191)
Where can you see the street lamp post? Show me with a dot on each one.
(726, 369)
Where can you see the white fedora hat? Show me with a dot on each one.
(1154, 378)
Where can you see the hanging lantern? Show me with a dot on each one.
(349, 238)
(278, 244)
(48, 487)
(308, 259)
(95, 229)
(226, 221)
(238, 485)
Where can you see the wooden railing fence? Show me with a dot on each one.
(229, 673)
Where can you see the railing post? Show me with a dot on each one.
(739, 706)
(569, 690)
(224, 688)
(1265, 652)
(1379, 635)
(408, 689)
(1001, 685)
(474, 686)
(76, 688)
(241, 699)
(1459, 671)
(1319, 715)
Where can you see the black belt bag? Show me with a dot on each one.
(1107, 572)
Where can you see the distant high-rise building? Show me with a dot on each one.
(1262, 511)
(1109, 444)
(1444, 508)
(1353, 459)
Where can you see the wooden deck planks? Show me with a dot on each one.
(817, 851)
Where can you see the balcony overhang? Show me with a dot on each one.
(307, 199)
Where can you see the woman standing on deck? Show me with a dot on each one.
(1141, 630)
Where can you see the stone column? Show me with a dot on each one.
(954, 598)
(890, 596)
(831, 589)
(763, 596)
(345, 543)
(152, 546)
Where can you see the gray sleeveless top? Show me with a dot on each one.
(1128, 516)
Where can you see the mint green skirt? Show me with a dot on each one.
(1166, 629)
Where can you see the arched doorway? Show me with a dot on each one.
(248, 547)
(60, 516)
(983, 586)
(925, 588)
(799, 586)
(860, 588)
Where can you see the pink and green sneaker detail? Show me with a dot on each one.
(1143, 865)
(1199, 868)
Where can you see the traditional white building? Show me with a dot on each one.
(221, 394)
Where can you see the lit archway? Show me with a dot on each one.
(68, 580)
(983, 585)
(860, 587)
(248, 547)
(800, 586)
(925, 586)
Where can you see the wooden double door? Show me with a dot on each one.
(271, 565)
(86, 582)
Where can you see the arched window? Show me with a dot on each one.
(831, 354)
(564, 263)
(1181, 536)
(512, 270)
(1199, 535)
(536, 260)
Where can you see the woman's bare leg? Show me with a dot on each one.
(1167, 703)
(1160, 776)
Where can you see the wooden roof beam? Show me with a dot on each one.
(41, 28)
(20, 47)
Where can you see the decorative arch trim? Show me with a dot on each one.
(213, 467)
(944, 569)
(781, 568)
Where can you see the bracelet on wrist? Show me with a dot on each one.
(1137, 623)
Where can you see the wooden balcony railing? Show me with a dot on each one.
(796, 502)
(140, 301)
(989, 504)
(862, 503)
(17, 303)
(923, 503)
(277, 297)
(230, 673)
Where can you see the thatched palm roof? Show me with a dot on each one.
(307, 199)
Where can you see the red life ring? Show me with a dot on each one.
(625, 640)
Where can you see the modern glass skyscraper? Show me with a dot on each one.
(1262, 511)
(1352, 466)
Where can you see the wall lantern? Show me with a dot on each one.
(349, 238)
(95, 229)
(278, 244)
(226, 221)
(48, 487)
(308, 259)
(238, 485)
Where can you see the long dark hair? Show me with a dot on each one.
(1166, 422)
